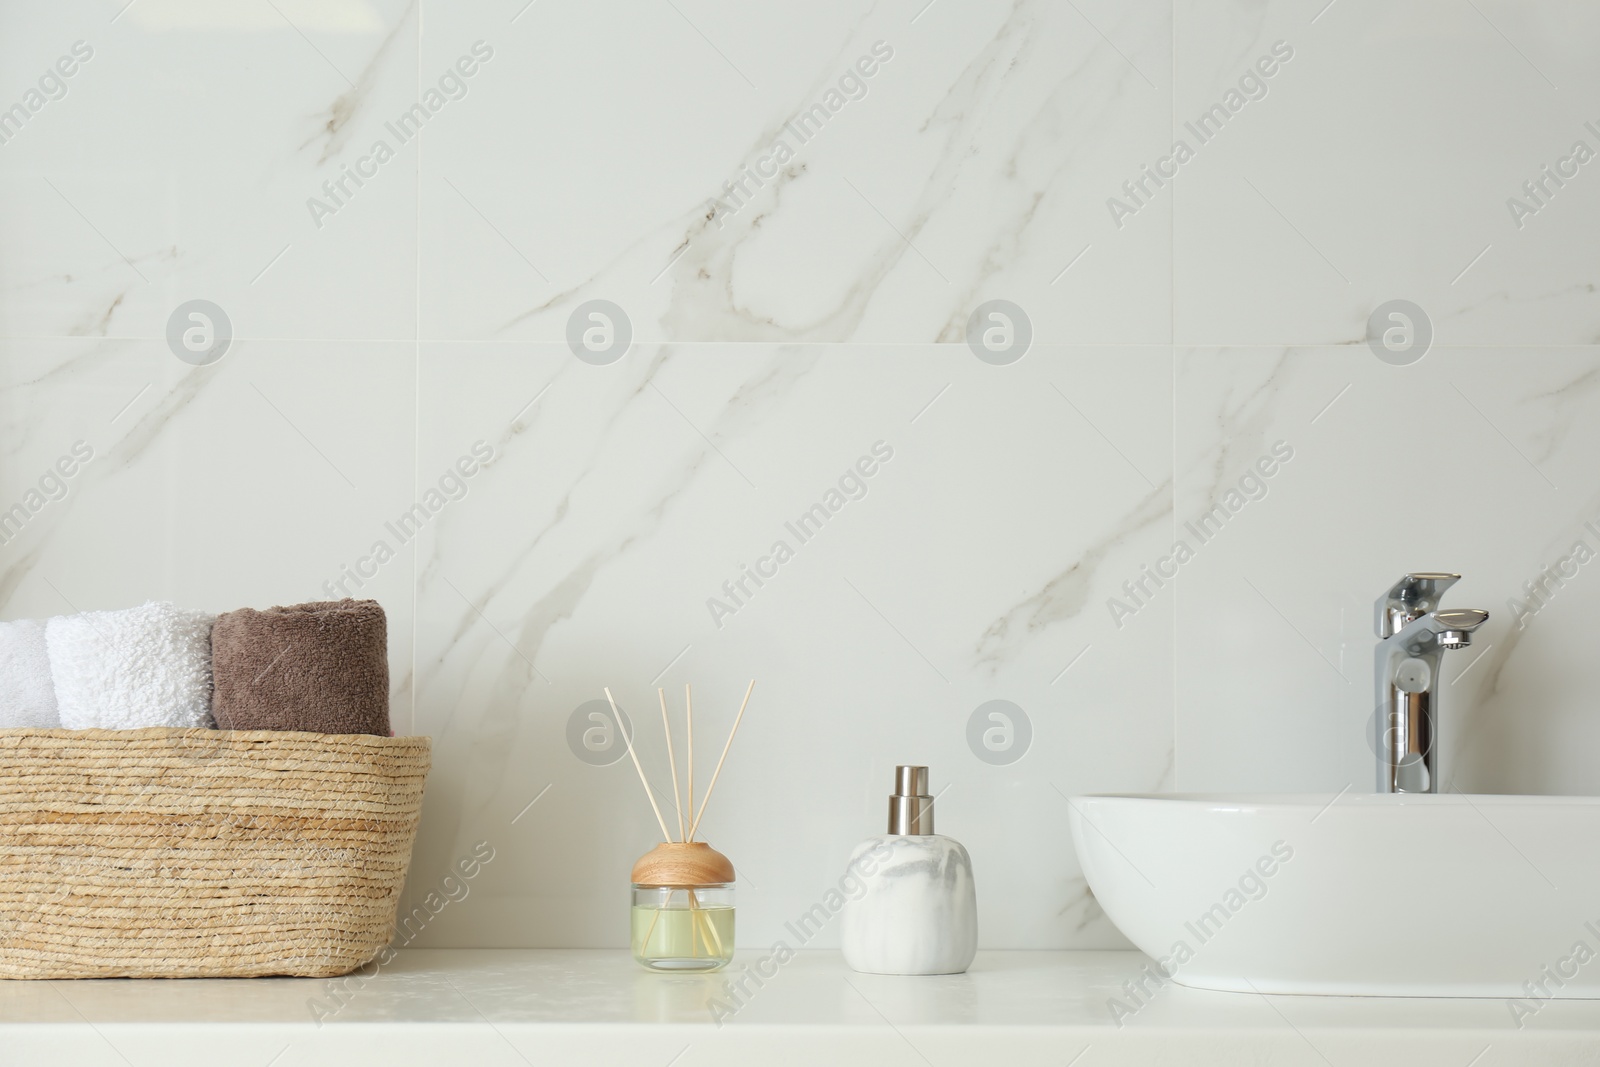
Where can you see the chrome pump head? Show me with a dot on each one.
(910, 808)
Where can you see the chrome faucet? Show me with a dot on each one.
(1413, 634)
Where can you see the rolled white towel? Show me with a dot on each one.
(27, 695)
(119, 670)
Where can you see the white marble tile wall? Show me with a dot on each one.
(402, 209)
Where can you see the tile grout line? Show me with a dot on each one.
(416, 376)
(1172, 382)
(416, 388)
(951, 346)
(416, 367)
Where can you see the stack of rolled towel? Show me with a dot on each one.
(318, 668)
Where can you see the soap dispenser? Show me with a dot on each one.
(918, 913)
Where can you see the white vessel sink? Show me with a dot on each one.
(1383, 895)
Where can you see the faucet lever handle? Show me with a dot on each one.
(1412, 597)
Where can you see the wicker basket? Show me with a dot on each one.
(202, 853)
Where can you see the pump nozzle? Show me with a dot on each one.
(910, 808)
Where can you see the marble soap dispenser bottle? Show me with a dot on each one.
(919, 913)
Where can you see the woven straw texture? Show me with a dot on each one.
(166, 853)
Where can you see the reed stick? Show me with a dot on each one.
(688, 703)
(695, 825)
(672, 761)
(711, 929)
(705, 918)
(666, 835)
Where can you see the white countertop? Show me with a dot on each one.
(492, 1007)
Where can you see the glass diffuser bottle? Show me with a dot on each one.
(683, 908)
(682, 914)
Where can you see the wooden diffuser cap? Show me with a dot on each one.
(680, 866)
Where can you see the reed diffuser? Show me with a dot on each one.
(682, 888)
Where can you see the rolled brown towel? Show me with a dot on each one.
(320, 668)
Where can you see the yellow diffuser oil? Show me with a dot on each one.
(683, 929)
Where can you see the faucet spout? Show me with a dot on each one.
(1457, 624)
(1414, 633)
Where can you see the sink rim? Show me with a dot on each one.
(1159, 863)
(1250, 801)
